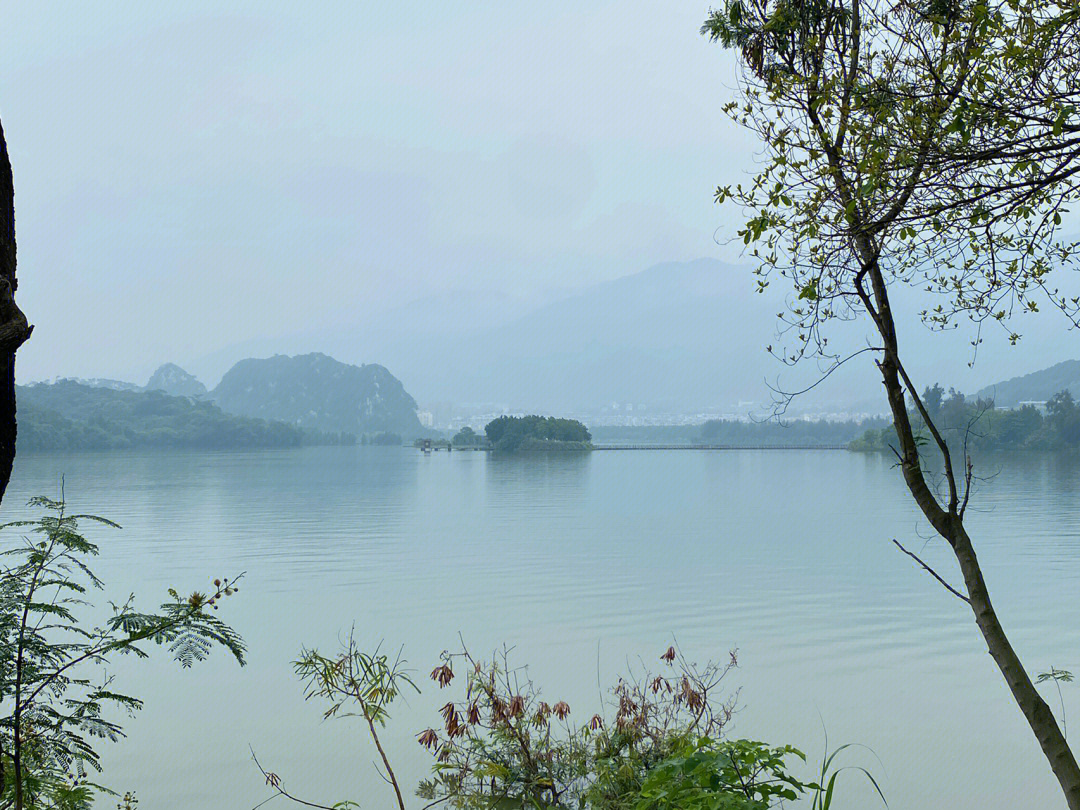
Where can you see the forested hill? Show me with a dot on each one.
(68, 416)
(316, 392)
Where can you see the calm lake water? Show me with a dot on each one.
(587, 564)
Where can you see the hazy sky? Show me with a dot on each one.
(190, 175)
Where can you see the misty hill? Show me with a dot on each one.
(678, 337)
(1037, 386)
(173, 380)
(316, 392)
(71, 416)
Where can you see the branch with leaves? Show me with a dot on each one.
(54, 712)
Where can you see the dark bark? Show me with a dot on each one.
(14, 329)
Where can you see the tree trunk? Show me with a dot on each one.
(1036, 712)
(949, 524)
(14, 329)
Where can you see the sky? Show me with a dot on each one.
(200, 182)
(190, 176)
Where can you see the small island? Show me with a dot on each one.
(512, 434)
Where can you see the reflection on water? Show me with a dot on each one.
(583, 562)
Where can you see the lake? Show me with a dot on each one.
(587, 564)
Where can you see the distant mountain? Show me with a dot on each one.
(680, 337)
(673, 338)
(1037, 386)
(173, 380)
(67, 416)
(314, 391)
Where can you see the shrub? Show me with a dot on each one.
(50, 654)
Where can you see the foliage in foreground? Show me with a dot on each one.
(503, 742)
(57, 695)
(658, 744)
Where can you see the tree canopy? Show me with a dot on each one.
(936, 138)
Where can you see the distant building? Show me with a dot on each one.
(426, 418)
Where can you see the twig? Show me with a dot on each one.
(932, 572)
(273, 781)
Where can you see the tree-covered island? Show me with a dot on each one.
(510, 434)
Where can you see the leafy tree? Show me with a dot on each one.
(736, 775)
(741, 775)
(932, 398)
(908, 142)
(1064, 417)
(354, 683)
(1021, 426)
(467, 437)
(52, 681)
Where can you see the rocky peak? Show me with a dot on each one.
(173, 380)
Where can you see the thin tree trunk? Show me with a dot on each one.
(1036, 711)
(949, 523)
(386, 763)
(14, 329)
